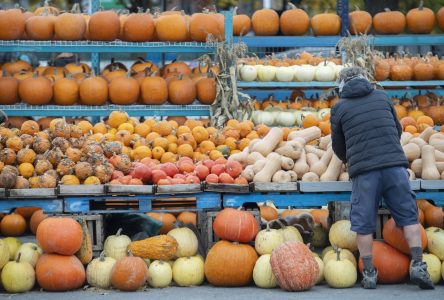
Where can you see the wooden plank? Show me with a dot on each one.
(275, 187)
(432, 184)
(81, 190)
(227, 188)
(129, 189)
(178, 189)
(415, 184)
(325, 186)
(31, 193)
(2, 192)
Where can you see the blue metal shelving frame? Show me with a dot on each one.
(320, 84)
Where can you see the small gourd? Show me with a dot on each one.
(160, 274)
(18, 276)
(340, 273)
(189, 271)
(85, 253)
(267, 240)
(262, 274)
(98, 272)
(116, 245)
(186, 240)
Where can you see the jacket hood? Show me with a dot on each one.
(357, 87)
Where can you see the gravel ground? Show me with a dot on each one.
(386, 292)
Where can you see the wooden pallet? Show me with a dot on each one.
(432, 184)
(227, 188)
(2, 192)
(274, 187)
(81, 190)
(325, 186)
(129, 189)
(107, 204)
(178, 189)
(31, 193)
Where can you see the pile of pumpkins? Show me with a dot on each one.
(428, 104)
(294, 21)
(122, 150)
(406, 68)
(305, 68)
(49, 23)
(143, 83)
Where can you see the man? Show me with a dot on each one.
(365, 135)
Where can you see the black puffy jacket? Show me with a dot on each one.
(365, 130)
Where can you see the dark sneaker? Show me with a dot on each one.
(420, 276)
(369, 279)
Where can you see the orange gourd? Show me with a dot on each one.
(235, 225)
(394, 236)
(326, 24)
(187, 217)
(265, 22)
(13, 225)
(389, 22)
(129, 274)
(421, 19)
(104, 26)
(294, 21)
(59, 272)
(167, 220)
(59, 235)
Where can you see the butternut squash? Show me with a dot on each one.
(240, 157)
(308, 134)
(291, 149)
(252, 143)
(412, 175)
(269, 142)
(259, 165)
(310, 177)
(281, 177)
(293, 175)
(287, 163)
(272, 165)
(405, 138)
(312, 159)
(321, 166)
(429, 169)
(325, 142)
(418, 141)
(300, 166)
(248, 173)
(254, 157)
(427, 133)
(344, 177)
(333, 170)
(437, 135)
(438, 143)
(412, 151)
(313, 149)
(85, 253)
(439, 156)
(442, 175)
(416, 167)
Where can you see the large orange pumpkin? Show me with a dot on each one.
(294, 266)
(360, 22)
(40, 28)
(154, 90)
(294, 21)
(36, 218)
(167, 220)
(12, 24)
(8, 90)
(440, 18)
(66, 91)
(421, 19)
(16, 66)
(389, 22)
(204, 24)
(129, 273)
(104, 26)
(235, 225)
(206, 90)
(93, 91)
(230, 264)
(394, 236)
(36, 90)
(70, 27)
(124, 90)
(182, 90)
(392, 265)
(434, 216)
(138, 27)
(172, 28)
(265, 22)
(241, 24)
(326, 24)
(59, 235)
(13, 225)
(59, 272)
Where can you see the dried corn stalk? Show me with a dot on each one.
(357, 51)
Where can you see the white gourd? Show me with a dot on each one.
(427, 133)
(266, 73)
(418, 141)
(286, 119)
(259, 165)
(248, 73)
(324, 142)
(312, 149)
(325, 73)
(254, 157)
(248, 173)
(412, 151)
(405, 138)
(344, 177)
(293, 175)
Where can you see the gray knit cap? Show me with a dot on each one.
(350, 73)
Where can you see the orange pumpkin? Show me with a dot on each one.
(294, 21)
(124, 90)
(235, 225)
(8, 90)
(59, 272)
(138, 27)
(389, 22)
(440, 18)
(394, 236)
(66, 91)
(70, 26)
(401, 72)
(423, 71)
(13, 225)
(12, 24)
(17, 66)
(93, 91)
(265, 22)
(40, 27)
(203, 24)
(206, 90)
(420, 20)
(129, 274)
(172, 28)
(241, 24)
(104, 26)
(167, 220)
(360, 22)
(268, 213)
(326, 24)
(187, 218)
(182, 91)
(59, 235)
(434, 216)
(28, 87)
(154, 90)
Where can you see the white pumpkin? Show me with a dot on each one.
(98, 272)
(305, 73)
(338, 69)
(262, 274)
(344, 254)
(13, 245)
(263, 117)
(18, 276)
(30, 253)
(442, 270)
(248, 73)
(325, 251)
(266, 73)
(186, 240)
(435, 242)
(268, 239)
(4, 253)
(342, 236)
(327, 63)
(433, 266)
(340, 273)
(115, 246)
(284, 74)
(325, 73)
(290, 234)
(323, 112)
(160, 274)
(321, 269)
(189, 271)
(286, 119)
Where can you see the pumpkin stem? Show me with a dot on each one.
(76, 8)
(119, 231)
(102, 256)
(291, 6)
(387, 9)
(338, 254)
(240, 208)
(18, 257)
(140, 10)
(235, 11)
(357, 8)
(421, 5)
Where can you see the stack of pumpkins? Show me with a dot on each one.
(74, 84)
(406, 68)
(22, 219)
(48, 23)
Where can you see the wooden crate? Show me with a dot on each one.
(341, 211)
(205, 221)
(95, 228)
